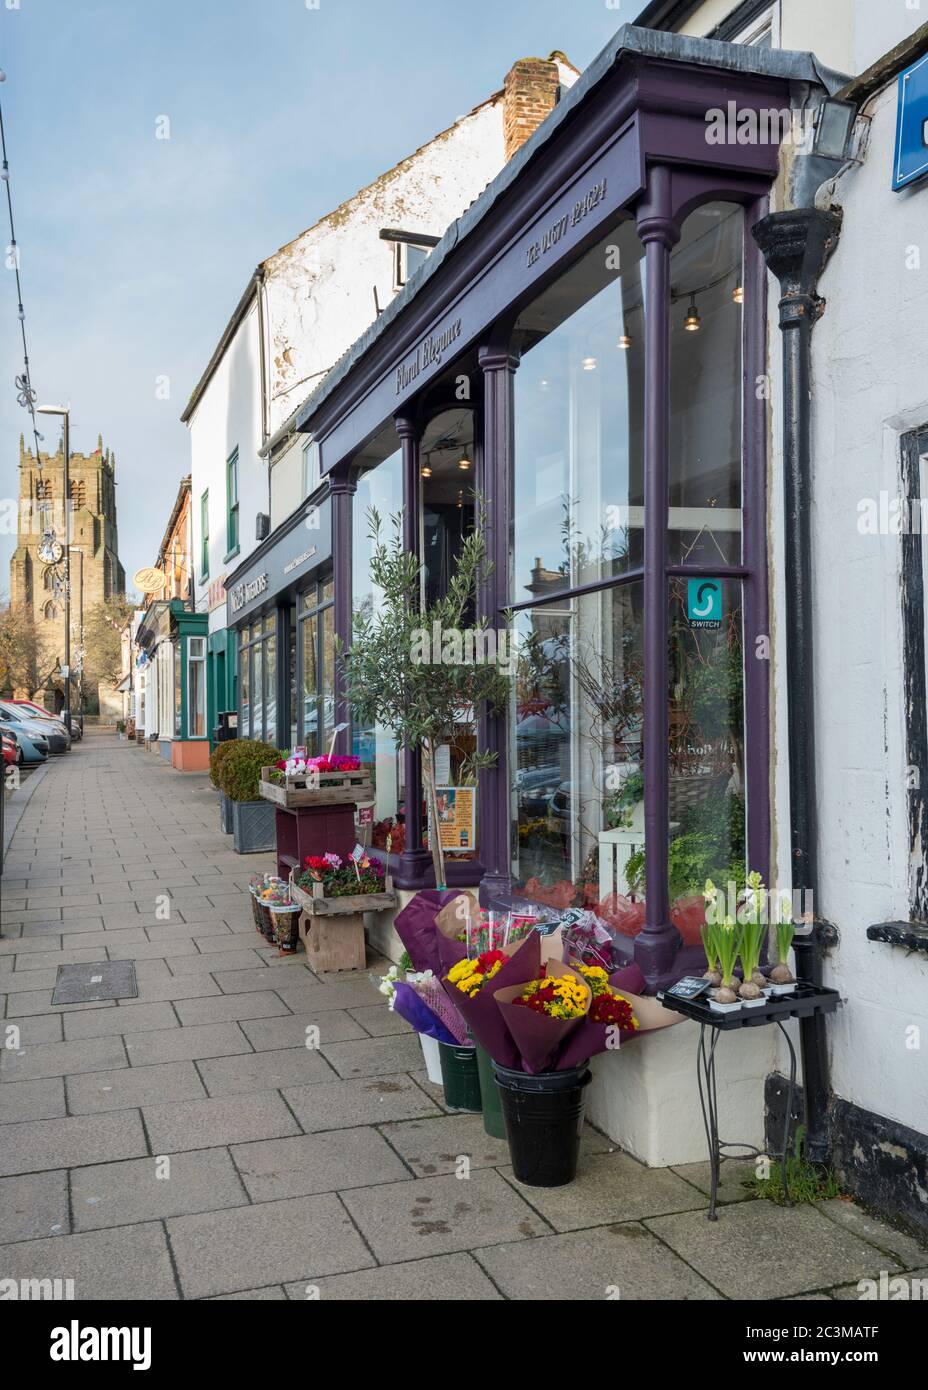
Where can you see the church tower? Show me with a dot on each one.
(96, 573)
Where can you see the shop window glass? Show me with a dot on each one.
(177, 700)
(579, 392)
(328, 674)
(706, 388)
(310, 650)
(257, 686)
(270, 679)
(244, 685)
(196, 687)
(380, 488)
(291, 645)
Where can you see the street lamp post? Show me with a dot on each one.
(65, 412)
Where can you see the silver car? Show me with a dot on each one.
(51, 729)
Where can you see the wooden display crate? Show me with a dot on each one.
(333, 943)
(334, 788)
(315, 905)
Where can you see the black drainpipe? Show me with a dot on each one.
(796, 246)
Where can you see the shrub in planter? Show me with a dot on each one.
(240, 769)
(216, 760)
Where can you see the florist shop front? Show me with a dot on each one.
(573, 370)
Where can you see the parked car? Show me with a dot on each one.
(9, 749)
(30, 710)
(56, 736)
(30, 748)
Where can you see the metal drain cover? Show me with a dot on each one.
(88, 984)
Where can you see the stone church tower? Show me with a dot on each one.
(96, 573)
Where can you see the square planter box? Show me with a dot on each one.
(225, 814)
(253, 826)
(333, 789)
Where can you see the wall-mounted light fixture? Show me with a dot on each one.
(692, 323)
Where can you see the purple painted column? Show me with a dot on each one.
(658, 941)
(415, 862)
(341, 490)
(494, 484)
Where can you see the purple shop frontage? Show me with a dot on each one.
(581, 362)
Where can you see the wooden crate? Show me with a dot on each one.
(335, 788)
(315, 905)
(333, 943)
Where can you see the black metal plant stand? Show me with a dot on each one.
(802, 1002)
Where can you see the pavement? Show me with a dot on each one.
(190, 1144)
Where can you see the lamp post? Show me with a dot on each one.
(65, 412)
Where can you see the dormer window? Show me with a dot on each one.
(410, 249)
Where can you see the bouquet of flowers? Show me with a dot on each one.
(420, 999)
(295, 768)
(565, 1015)
(341, 877)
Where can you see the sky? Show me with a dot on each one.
(134, 250)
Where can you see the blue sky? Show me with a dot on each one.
(135, 250)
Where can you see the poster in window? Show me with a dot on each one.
(456, 818)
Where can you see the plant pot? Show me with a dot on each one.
(253, 827)
(257, 912)
(783, 989)
(725, 1008)
(286, 922)
(459, 1077)
(754, 1003)
(544, 1121)
(493, 1121)
(432, 1056)
(225, 814)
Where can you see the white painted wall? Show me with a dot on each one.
(228, 416)
(869, 387)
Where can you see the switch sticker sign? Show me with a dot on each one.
(704, 603)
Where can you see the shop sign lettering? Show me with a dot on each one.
(244, 593)
(430, 351)
(559, 229)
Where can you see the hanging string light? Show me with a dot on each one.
(25, 395)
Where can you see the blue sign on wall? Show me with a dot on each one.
(704, 603)
(910, 159)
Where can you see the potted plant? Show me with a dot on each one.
(725, 942)
(252, 817)
(388, 681)
(328, 780)
(752, 930)
(216, 759)
(334, 893)
(782, 979)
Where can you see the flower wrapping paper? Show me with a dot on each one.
(482, 1013)
(408, 1004)
(538, 1037)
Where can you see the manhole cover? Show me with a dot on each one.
(88, 984)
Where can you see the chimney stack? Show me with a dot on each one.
(529, 93)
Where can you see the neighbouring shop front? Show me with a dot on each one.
(577, 363)
(280, 610)
(172, 658)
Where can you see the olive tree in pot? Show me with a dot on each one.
(253, 823)
(408, 669)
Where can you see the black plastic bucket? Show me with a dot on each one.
(460, 1077)
(544, 1121)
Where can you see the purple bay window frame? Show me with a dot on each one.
(641, 120)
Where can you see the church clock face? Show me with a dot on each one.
(50, 551)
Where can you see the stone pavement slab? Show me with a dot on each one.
(230, 1008)
(271, 1243)
(186, 1044)
(341, 1104)
(451, 1277)
(610, 1188)
(204, 1124)
(129, 1262)
(147, 1189)
(35, 1145)
(611, 1262)
(334, 1025)
(853, 1218)
(759, 1250)
(291, 1066)
(33, 1205)
(99, 1091)
(434, 1216)
(99, 1023)
(311, 1163)
(62, 1059)
(374, 1056)
(32, 1100)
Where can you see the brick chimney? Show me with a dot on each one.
(529, 93)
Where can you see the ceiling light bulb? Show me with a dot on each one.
(463, 463)
(589, 364)
(425, 472)
(737, 294)
(692, 322)
(625, 342)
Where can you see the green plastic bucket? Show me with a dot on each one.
(493, 1121)
(460, 1078)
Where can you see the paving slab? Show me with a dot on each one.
(292, 974)
(312, 1163)
(610, 1188)
(341, 1104)
(32, 1100)
(177, 987)
(379, 1020)
(129, 1262)
(910, 1253)
(212, 963)
(186, 1044)
(34, 1205)
(149, 1189)
(911, 1286)
(32, 1146)
(448, 1277)
(758, 1250)
(291, 1066)
(38, 1028)
(99, 1091)
(229, 1008)
(98, 1023)
(374, 1056)
(624, 1262)
(436, 1145)
(62, 1059)
(272, 1243)
(433, 1216)
(733, 1177)
(205, 1124)
(273, 1291)
(39, 1001)
(290, 1030)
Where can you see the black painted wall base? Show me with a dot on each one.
(883, 1163)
